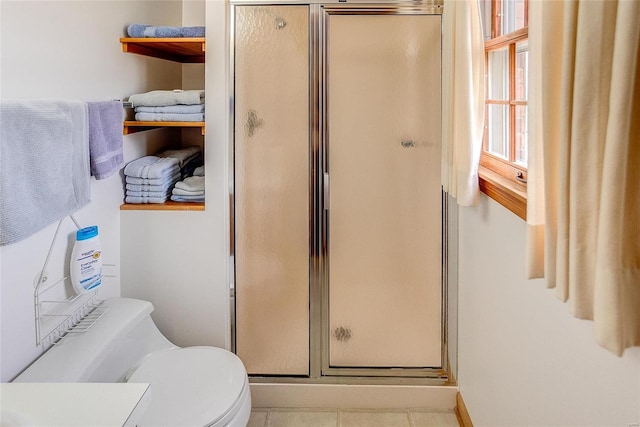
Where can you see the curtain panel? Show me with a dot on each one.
(583, 202)
(462, 99)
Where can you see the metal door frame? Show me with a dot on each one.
(319, 369)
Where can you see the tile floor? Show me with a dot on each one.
(290, 417)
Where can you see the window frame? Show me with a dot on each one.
(504, 179)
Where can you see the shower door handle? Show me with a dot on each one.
(325, 191)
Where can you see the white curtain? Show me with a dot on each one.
(462, 99)
(583, 208)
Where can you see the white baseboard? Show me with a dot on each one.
(266, 395)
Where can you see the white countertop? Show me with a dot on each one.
(72, 404)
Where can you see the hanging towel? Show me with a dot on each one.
(152, 167)
(192, 183)
(163, 98)
(44, 164)
(105, 138)
(169, 117)
(173, 109)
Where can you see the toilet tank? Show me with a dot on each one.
(114, 345)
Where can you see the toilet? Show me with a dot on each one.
(189, 386)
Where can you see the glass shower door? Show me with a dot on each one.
(271, 157)
(384, 226)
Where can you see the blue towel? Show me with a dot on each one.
(105, 138)
(175, 176)
(148, 193)
(44, 164)
(135, 199)
(142, 30)
(177, 198)
(169, 117)
(152, 167)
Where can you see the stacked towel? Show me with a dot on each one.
(142, 30)
(190, 189)
(169, 106)
(151, 179)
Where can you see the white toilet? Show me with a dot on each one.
(191, 386)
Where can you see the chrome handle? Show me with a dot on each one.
(325, 191)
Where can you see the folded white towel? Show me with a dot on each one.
(192, 183)
(169, 117)
(181, 192)
(145, 187)
(180, 109)
(199, 171)
(163, 98)
(152, 167)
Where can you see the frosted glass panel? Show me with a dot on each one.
(385, 194)
(271, 189)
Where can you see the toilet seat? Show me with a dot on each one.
(192, 386)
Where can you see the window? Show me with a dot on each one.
(505, 27)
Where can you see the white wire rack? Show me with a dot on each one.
(54, 317)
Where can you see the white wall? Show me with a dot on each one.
(70, 50)
(523, 359)
(178, 260)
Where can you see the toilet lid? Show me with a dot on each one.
(193, 386)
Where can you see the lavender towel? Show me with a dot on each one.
(105, 138)
(152, 167)
(148, 193)
(44, 164)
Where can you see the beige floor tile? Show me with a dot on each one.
(433, 419)
(307, 418)
(258, 419)
(374, 419)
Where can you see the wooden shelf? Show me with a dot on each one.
(184, 50)
(167, 206)
(132, 126)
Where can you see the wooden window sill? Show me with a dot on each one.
(509, 194)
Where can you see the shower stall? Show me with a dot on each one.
(339, 220)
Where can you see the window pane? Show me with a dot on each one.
(498, 129)
(498, 69)
(510, 16)
(522, 65)
(521, 134)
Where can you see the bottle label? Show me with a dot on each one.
(90, 269)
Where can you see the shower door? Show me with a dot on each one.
(337, 196)
(384, 217)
